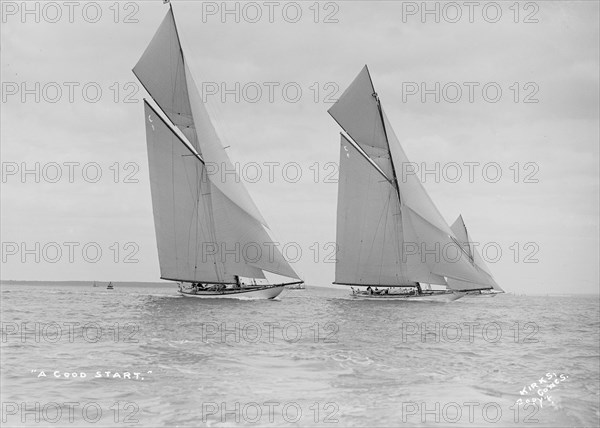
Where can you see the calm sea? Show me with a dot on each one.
(75, 355)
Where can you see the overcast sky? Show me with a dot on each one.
(549, 58)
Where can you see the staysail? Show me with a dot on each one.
(208, 229)
(389, 230)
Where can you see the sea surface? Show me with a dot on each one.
(140, 355)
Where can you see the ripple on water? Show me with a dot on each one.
(317, 346)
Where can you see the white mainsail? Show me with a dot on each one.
(370, 228)
(207, 229)
(389, 230)
(368, 223)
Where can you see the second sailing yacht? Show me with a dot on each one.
(391, 238)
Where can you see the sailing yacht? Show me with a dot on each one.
(390, 234)
(211, 237)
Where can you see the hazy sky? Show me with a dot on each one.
(546, 215)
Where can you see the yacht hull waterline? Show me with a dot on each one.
(266, 292)
(440, 297)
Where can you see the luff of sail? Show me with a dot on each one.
(421, 234)
(202, 235)
(164, 73)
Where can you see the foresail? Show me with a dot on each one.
(165, 74)
(357, 113)
(440, 252)
(222, 172)
(434, 235)
(412, 192)
(244, 244)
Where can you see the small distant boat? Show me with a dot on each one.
(110, 286)
(389, 231)
(209, 232)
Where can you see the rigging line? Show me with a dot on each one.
(471, 252)
(372, 246)
(350, 141)
(194, 191)
(386, 211)
(214, 112)
(399, 229)
(181, 139)
(196, 235)
(462, 250)
(419, 240)
(173, 195)
(395, 183)
(380, 110)
(176, 30)
(193, 280)
(190, 62)
(212, 229)
(197, 212)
